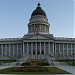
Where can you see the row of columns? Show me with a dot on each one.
(44, 45)
(53, 49)
(49, 51)
(63, 51)
(9, 50)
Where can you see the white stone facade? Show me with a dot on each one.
(37, 43)
(33, 46)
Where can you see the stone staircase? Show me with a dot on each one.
(38, 57)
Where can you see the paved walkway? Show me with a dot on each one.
(62, 65)
(70, 69)
(3, 67)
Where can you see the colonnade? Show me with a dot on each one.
(37, 48)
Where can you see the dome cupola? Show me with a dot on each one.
(38, 22)
(38, 11)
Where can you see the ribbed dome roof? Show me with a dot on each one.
(38, 11)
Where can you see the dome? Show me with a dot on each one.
(38, 11)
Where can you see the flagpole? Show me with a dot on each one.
(36, 55)
(37, 45)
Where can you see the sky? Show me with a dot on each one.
(15, 15)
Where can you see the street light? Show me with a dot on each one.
(73, 58)
(59, 56)
(45, 56)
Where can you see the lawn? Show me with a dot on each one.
(7, 61)
(70, 62)
(55, 70)
(50, 70)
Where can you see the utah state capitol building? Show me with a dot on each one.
(38, 41)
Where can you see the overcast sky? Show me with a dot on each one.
(15, 15)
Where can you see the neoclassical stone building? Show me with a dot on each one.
(38, 40)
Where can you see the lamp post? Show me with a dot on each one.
(45, 56)
(59, 56)
(73, 58)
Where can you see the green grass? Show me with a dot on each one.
(55, 70)
(50, 70)
(70, 62)
(7, 61)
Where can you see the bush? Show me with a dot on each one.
(26, 64)
(37, 63)
(43, 64)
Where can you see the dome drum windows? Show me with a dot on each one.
(29, 29)
(42, 28)
(47, 28)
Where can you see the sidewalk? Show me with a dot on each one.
(3, 67)
(7, 65)
(70, 69)
(62, 65)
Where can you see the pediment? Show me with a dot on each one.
(38, 37)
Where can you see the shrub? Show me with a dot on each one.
(26, 64)
(43, 64)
